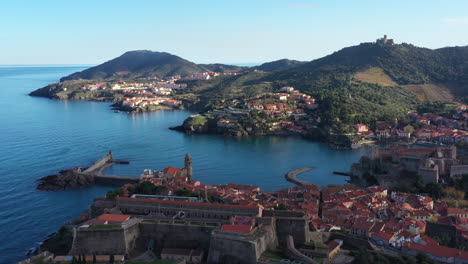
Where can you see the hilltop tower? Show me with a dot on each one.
(188, 166)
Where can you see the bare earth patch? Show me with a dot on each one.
(375, 75)
(444, 92)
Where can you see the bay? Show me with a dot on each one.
(39, 136)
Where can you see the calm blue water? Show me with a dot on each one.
(39, 137)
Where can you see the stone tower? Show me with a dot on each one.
(188, 166)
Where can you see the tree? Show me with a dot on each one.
(149, 188)
(111, 195)
(281, 206)
(434, 190)
(131, 190)
(362, 257)
(185, 192)
(422, 258)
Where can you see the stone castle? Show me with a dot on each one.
(388, 164)
(385, 41)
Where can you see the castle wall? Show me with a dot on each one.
(191, 209)
(410, 163)
(429, 174)
(458, 170)
(298, 228)
(441, 231)
(100, 242)
(232, 249)
(106, 239)
(175, 235)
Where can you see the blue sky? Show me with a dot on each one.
(206, 31)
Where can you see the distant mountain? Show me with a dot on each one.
(279, 65)
(140, 63)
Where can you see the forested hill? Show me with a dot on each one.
(404, 63)
(141, 63)
(370, 81)
(279, 65)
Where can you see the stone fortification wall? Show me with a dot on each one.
(233, 249)
(100, 242)
(99, 206)
(115, 181)
(282, 213)
(106, 239)
(191, 209)
(175, 235)
(298, 228)
(441, 231)
(293, 253)
(352, 240)
(458, 170)
(290, 223)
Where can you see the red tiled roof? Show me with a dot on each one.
(456, 211)
(437, 250)
(114, 218)
(172, 170)
(236, 228)
(385, 236)
(188, 203)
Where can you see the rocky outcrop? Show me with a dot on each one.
(66, 179)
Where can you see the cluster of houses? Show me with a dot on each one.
(431, 127)
(442, 129)
(398, 222)
(287, 107)
(148, 85)
(139, 102)
(206, 75)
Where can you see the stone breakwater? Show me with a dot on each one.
(292, 176)
(78, 177)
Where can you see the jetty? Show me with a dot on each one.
(78, 177)
(292, 176)
(97, 171)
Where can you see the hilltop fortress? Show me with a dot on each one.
(388, 165)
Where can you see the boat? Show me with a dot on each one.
(116, 111)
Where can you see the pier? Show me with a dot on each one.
(97, 172)
(292, 176)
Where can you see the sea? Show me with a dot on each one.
(40, 136)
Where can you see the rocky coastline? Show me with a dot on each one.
(64, 180)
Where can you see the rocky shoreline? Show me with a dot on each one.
(65, 180)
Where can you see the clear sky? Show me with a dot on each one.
(206, 31)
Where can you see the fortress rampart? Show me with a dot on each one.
(143, 206)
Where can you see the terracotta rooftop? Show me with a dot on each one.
(114, 218)
(236, 228)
